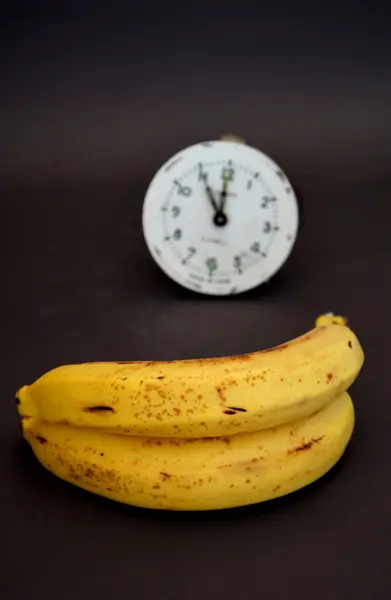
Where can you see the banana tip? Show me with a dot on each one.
(20, 400)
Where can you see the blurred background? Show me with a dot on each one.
(94, 97)
(109, 88)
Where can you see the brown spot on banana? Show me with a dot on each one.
(221, 395)
(41, 439)
(99, 409)
(306, 445)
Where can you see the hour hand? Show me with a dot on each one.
(209, 193)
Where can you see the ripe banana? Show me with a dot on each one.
(196, 474)
(199, 398)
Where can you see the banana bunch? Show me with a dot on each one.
(199, 434)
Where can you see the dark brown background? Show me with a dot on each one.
(93, 100)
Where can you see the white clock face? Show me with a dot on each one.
(220, 217)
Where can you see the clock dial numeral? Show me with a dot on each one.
(164, 208)
(177, 234)
(182, 190)
(250, 181)
(267, 227)
(255, 247)
(202, 175)
(190, 252)
(238, 264)
(266, 200)
(228, 173)
(175, 211)
(211, 265)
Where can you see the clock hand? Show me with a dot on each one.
(223, 194)
(219, 218)
(209, 192)
(211, 197)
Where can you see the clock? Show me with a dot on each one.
(220, 217)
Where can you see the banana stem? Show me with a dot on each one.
(330, 319)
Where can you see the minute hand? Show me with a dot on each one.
(223, 196)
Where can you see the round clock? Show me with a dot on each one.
(220, 217)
